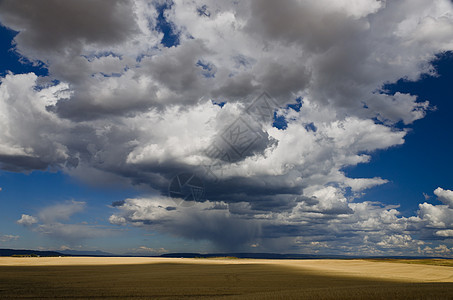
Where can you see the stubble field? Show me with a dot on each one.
(174, 278)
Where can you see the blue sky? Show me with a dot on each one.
(354, 156)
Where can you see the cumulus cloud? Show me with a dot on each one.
(441, 250)
(446, 196)
(116, 220)
(445, 233)
(27, 220)
(120, 106)
(325, 221)
(436, 216)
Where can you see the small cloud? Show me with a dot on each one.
(319, 244)
(439, 250)
(256, 245)
(27, 220)
(442, 249)
(445, 196)
(117, 220)
(427, 197)
(445, 233)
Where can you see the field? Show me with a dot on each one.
(174, 278)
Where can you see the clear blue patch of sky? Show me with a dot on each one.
(170, 38)
(280, 121)
(425, 161)
(10, 60)
(221, 104)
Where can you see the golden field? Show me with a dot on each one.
(184, 278)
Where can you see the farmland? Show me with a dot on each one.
(175, 278)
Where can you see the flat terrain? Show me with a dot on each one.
(434, 262)
(176, 278)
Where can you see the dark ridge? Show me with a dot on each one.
(11, 252)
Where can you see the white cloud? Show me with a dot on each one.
(116, 220)
(445, 233)
(439, 250)
(446, 196)
(398, 241)
(30, 132)
(436, 216)
(27, 220)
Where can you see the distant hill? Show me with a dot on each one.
(11, 252)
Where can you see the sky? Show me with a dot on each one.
(303, 126)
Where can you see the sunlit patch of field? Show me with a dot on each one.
(433, 262)
(173, 278)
